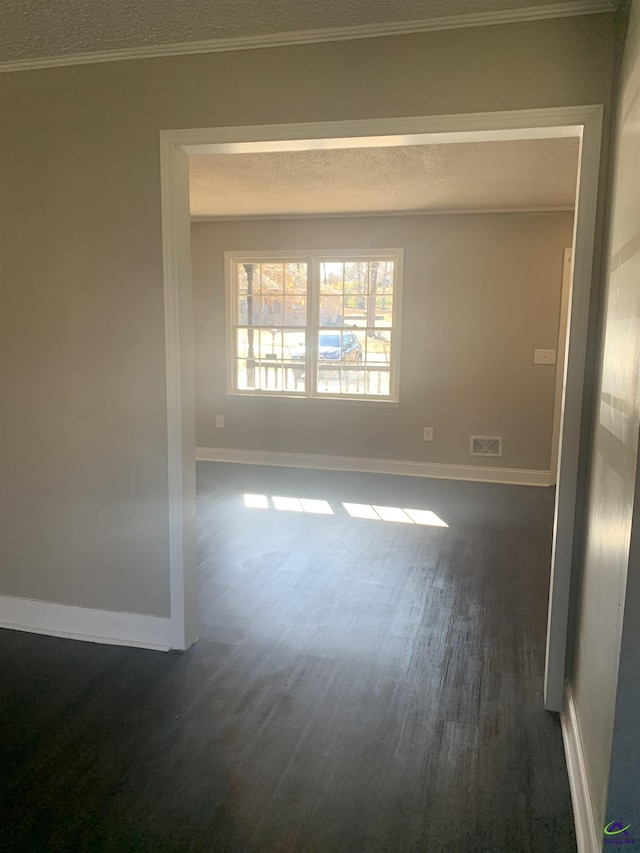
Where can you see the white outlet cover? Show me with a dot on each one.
(544, 356)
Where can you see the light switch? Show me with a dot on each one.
(544, 356)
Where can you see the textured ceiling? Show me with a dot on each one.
(32, 29)
(522, 174)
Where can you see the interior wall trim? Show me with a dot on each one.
(367, 214)
(588, 837)
(582, 121)
(81, 623)
(474, 473)
(567, 9)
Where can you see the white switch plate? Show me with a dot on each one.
(428, 434)
(220, 421)
(544, 356)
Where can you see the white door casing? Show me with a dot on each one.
(584, 122)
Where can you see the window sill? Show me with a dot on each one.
(342, 401)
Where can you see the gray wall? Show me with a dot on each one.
(83, 452)
(480, 293)
(605, 683)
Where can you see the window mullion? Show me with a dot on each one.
(232, 293)
(313, 304)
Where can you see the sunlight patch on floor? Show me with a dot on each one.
(320, 507)
(396, 514)
(288, 504)
(256, 501)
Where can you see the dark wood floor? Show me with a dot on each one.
(359, 685)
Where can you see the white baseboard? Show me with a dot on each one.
(588, 838)
(476, 473)
(82, 623)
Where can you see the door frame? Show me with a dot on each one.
(584, 122)
(561, 349)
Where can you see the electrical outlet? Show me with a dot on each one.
(544, 356)
(220, 421)
(428, 434)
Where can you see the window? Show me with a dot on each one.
(314, 324)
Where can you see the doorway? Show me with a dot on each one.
(176, 146)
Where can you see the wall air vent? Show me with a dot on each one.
(485, 445)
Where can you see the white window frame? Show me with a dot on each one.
(313, 258)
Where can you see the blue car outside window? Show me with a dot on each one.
(329, 340)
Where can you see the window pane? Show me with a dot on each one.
(355, 288)
(270, 376)
(378, 381)
(247, 343)
(378, 347)
(329, 344)
(374, 268)
(353, 303)
(328, 378)
(272, 278)
(355, 277)
(270, 344)
(355, 310)
(385, 276)
(378, 362)
(241, 278)
(264, 360)
(360, 367)
(294, 364)
(295, 311)
(253, 309)
(242, 309)
(295, 280)
(271, 310)
(330, 309)
(242, 343)
(340, 355)
(248, 309)
(294, 346)
(331, 275)
(249, 273)
(384, 311)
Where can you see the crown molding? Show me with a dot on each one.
(567, 9)
(382, 214)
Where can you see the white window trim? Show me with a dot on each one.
(313, 257)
